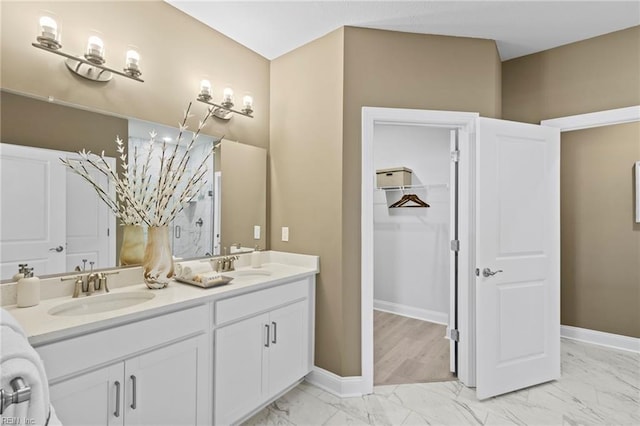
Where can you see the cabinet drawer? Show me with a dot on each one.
(249, 304)
(101, 347)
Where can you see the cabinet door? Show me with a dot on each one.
(163, 387)
(289, 346)
(94, 398)
(238, 368)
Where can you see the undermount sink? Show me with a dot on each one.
(101, 303)
(250, 273)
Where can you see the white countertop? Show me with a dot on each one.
(42, 327)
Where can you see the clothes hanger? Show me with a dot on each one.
(406, 198)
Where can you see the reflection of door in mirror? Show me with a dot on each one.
(50, 220)
(90, 224)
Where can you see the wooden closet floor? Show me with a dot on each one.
(408, 350)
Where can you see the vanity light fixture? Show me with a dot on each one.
(91, 65)
(224, 110)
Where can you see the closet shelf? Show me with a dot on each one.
(408, 187)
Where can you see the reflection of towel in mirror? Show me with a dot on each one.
(19, 359)
(188, 270)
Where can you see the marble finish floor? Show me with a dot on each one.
(599, 386)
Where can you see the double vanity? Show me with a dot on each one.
(183, 355)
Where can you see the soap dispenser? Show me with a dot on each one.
(20, 273)
(28, 289)
(256, 258)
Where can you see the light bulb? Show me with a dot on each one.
(247, 101)
(48, 28)
(95, 47)
(205, 88)
(227, 97)
(133, 58)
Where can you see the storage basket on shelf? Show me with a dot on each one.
(393, 177)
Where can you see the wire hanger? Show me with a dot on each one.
(407, 198)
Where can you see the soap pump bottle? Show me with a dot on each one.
(28, 289)
(20, 273)
(256, 258)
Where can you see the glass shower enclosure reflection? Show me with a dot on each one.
(192, 231)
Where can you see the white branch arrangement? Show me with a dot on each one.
(139, 198)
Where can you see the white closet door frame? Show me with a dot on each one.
(465, 122)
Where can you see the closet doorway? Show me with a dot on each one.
(414, 218)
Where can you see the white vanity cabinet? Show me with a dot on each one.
(263, 346)
(89, 399)
(188, 356)
(162, 376)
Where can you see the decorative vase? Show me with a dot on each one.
(158, 260)
(132, 248)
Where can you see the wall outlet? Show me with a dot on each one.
(285, 233)
(256, 232)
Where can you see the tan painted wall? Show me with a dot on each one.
(176, 53)
(600, 239)
(591, 75)
(31, 122)
(315, 148)
(401, 70)
(306, 174)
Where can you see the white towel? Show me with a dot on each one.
(53, 418)
(6, 319)
(205, 278)
(188, 270)
(19, 359)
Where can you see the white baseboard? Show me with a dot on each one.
(411, 312)
(601, 338)
(342, 387)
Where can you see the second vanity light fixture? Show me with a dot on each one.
(91, 66)
(225, 110)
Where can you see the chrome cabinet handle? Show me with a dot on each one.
(57, 249)
(134, 382)
(117, 412)
(486, 272)
(275, 330)
(266, 345)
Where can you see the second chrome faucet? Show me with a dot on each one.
(90, 282)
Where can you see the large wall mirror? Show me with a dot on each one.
(52, 220)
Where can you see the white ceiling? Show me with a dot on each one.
(272, 28)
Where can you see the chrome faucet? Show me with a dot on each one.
(226, 263)
(89, 283)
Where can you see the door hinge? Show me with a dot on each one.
(108, 231)
(455, 245)
(454, 335)
(455, 156)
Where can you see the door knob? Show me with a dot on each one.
(57, 249)
(486, 272)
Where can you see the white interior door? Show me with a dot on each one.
(517, 240)
(32, 220)
(91, 232)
